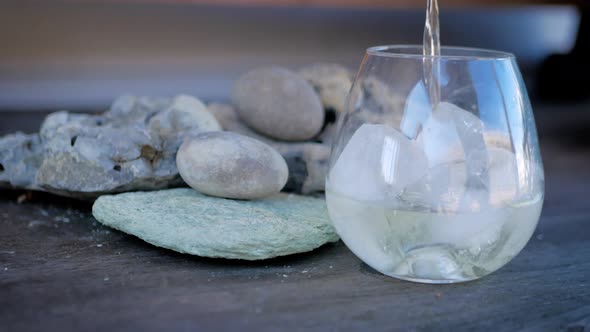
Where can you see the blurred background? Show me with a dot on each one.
(79, 55)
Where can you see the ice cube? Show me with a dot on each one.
(431, 263)
(453, 142)
(377, 164)
(440, 189)
(503, 186)
(416, 110)
(452, 134)
(470, 229)
(468, 217)
(445, 187)
(499, 190)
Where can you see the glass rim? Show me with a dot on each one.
(447, 53)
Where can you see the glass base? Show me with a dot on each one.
(432, 281)
(437, 264)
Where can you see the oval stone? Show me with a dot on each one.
(231, 165)
(278, 103)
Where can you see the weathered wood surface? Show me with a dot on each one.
(61, 270)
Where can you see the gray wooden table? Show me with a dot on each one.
(61, 270)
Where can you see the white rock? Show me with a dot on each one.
(184, 116)
(132, 146)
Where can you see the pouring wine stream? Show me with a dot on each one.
(431, 49)
(477, 176)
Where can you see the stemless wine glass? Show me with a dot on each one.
(443, 189)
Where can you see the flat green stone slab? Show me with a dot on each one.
(189, 222)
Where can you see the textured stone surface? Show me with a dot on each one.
(184, 117)
(132, 146)
(307, 162)
(308, 166)
(228, 118)
(231, 165)
(278, 103)
(188, 222)
(332, 82)
(20, 156)
(380, 103)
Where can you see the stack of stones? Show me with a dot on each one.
(133, 145)
(274, 136)
(294, 113)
